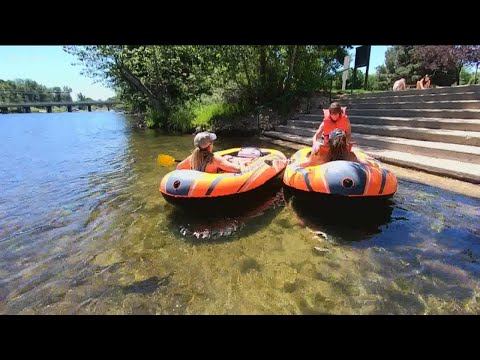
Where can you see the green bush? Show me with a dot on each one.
(191, 116)
(181, 119)
(153, 118)
(204, 114)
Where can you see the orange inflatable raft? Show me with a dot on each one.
(341, 178)
(187, 187)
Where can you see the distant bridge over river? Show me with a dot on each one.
(49, 105)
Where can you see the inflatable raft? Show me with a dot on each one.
(189, 187)
(346, 179)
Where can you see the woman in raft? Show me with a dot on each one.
(203, 158)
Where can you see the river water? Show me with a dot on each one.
(84, 230)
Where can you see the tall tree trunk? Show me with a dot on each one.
(251, 93)
(245, 69)
(263, 70)
(292, 52)
(139, 86)
(457, 75)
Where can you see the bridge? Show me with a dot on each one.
(49, 105)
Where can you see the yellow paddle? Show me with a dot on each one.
(166, 160)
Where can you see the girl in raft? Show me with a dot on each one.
(203, 158)
(337, 148)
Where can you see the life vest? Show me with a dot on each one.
(328, 124)
(209, 167)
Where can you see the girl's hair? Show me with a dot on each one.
(335, 108)
(200, 158)
(338, 145)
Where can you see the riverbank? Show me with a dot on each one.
(243, 125)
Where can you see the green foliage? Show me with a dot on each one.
(163, 78)
(197, 114)
(267, 73)
(168, 78)
(205, 113)
(443, 62)
(400, 63)
(26, 90)
(468, 78)
(181, 119)
(153, 118)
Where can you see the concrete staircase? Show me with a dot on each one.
(434, 130)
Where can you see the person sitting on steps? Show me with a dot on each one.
(424, 83)
(399, 85)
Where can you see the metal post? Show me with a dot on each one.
(331, 86)
(368, 65)
(354, 77)
(475, 79)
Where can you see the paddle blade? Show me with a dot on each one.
(165, 160)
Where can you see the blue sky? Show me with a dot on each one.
(377, 57)
(51, 66)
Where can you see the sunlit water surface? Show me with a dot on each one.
(84, 230)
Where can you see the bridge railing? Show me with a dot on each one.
(59, 103)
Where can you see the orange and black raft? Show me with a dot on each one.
(187, 187)
(341, 178)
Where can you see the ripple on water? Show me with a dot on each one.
(88, 232)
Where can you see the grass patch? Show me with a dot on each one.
(200, 115)
(205, 113)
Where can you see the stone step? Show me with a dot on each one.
(295, 130)
(439, 135)
(455, 169)
(450, 168)
(415, 113)
(465, 153)
(437, 90)
(431, 123)
(447, 136)
(408, 113)
(385, 104)
(289, 137)
(418, 97)
(455, 145)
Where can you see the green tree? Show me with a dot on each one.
(161, 78)
(446, 62)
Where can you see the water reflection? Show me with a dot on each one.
(85, 231)
(220, 219)
(344, 218)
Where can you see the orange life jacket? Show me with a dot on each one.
(209, 167)
(341, 123)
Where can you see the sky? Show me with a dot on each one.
(377, 57)
(51, 66)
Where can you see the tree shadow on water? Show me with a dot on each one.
(221, 220)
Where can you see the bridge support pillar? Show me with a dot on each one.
(49, 109)
(28, 110)
(69, 108)
(90, 108)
